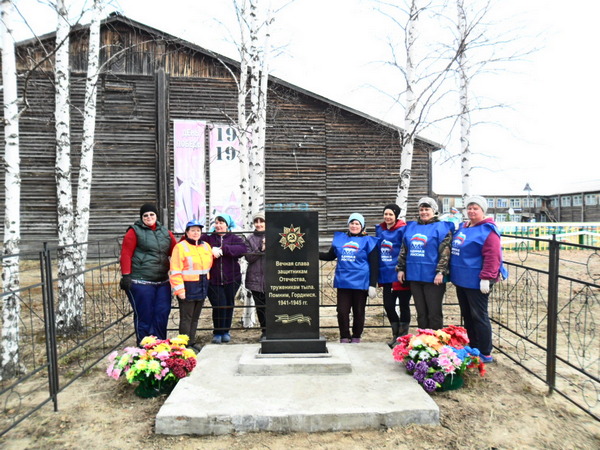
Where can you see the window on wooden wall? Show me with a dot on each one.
(565, 200)
(538, 202)
(515, 202)
(577, 200)
(118, 100)
(591, 199)
(500, 217)
(458, 202)
(491, 202)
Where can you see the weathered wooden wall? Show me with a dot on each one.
(320, 155)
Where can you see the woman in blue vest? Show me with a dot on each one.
(390, 233)
(474, 267)
(355, 275)
(423, 261)
(145, 253)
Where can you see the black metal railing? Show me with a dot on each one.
(544, 317)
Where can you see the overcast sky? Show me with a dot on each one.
(336, 48)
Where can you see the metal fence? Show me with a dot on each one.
(50, 361)
(544, 317)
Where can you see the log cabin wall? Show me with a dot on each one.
(320, 155)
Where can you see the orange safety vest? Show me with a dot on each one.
(189, 263)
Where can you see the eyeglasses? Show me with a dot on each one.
(150, 214)
(258, 220)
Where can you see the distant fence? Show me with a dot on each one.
(517, 234)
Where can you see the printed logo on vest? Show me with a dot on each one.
(417, 244)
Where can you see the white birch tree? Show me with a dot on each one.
(410, 115)
(259, 79)
(464, 111)
(11, 307)
(68, 319)
(84, 185)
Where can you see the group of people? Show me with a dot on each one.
(154, 266)
(409, 259)
(417, 259)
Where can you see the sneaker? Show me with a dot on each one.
(345, 340)
(355, 340)
(226, 338)
(486, 359)
(216, 339)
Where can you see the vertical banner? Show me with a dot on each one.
(225, 192)
(190, 185)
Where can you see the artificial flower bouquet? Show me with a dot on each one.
(438, 358)
(157, 365)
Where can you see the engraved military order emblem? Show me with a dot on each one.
(291, 238)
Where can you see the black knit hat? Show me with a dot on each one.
(148, 207)
(394, 208)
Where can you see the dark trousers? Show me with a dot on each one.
(428, 299)
(354, 300)
(474, 309)
(151, 305)
(222, 299)
(189, 314)
(259, 302)
(390, 297)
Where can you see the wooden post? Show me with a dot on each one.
(162, 146)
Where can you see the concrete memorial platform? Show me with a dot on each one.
(236, 389)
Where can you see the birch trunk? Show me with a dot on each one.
(259, 78)
(84, 185)
(11, 307)
(410, 118)
(465, 117)
(69, 315)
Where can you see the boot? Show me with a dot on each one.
(395, 334)
(404, 327)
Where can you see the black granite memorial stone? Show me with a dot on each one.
(292, 283)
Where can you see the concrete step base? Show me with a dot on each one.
(234, 390)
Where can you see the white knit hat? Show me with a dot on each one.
(478, 200)
(430, 202)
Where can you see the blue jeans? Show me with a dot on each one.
(222, 299)
(151, 305)
(474, 309)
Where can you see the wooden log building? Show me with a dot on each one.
(320, 155)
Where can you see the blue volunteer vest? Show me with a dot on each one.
(352, 270)
(390, 242)
(422, 245)
(466, 261)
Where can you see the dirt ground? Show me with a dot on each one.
(508, 408)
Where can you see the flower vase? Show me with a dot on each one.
(146, 390)
(150, 390)
(452, 382)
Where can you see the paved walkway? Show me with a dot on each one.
(236, 389)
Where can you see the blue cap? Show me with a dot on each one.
(357, 216)
(193, 223)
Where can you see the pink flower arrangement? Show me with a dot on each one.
(155, 364)
(431, 356)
